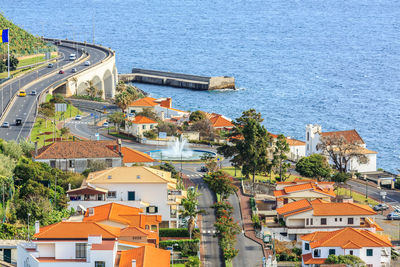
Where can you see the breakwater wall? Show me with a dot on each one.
(178, 80)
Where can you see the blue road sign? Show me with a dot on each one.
(91, 114)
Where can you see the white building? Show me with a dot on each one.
(86, 244)
(313, 139)
(305, 216)
(142, 187)
(138, 125)
(372, 248)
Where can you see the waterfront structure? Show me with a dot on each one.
(77, 156)
(141, 187)
(372, 248)
(287, 192)
(313, 139)
(307, 216)
(87, 244)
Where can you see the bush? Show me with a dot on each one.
(223, 209)
(204, 142)
(167, 243)
(150, 134)
(175, 232)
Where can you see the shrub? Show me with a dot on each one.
(175, 232)
(167, 243)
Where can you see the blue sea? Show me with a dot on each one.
(335, 63)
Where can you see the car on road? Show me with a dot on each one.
(5, 125)
(393, 216)
(380, 207)
(61, 72)
(22, 93)
(73, 70)
(78, 117)
(18, 121)
(50, 65)
(87, 63)
(33, 92)
(105, 124)
(72, 57)
(203, 169)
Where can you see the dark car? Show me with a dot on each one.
(18, 121)
(73, 70)
(380, 207)
(61, 72)
(203, 169)
(50, 65)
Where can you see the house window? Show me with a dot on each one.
(332, 251)
(307, 246)
(144, 127)
(370, 252)
(335, 219)
(136, 238)
(350, 221)
(112, 194)
(311, 221)
(131, 195)
(80, 250)
(308, 136)
(99, 264)
(154, 228)
(52, 163)
(71, 163)
(317, 253)
(340, 219)
(152, 209)
(109, 163)
(323, 221)
(351, 252)
(307, 222)
(151, 126)
(99, 197)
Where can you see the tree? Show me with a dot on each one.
(348, 260)
(170, 128)
(340, 177)
(13, 62)
(220, 183)
(149, 113)
(281, 148)
(251, 143)
(117, 118)
(210, 162)
(314, 166)
(341, 152)
(12, 149)
(121, 87)
(92, 90)
(193, 261)
(64, 131)
(197, 116)
(205, 128)
(151, 134)
(27, 147)
(190, 210)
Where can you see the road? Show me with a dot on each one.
(25, 107)
(392, 197)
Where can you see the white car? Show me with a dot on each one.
(78, 117)
(105, 124)
(87, 63)
(6, 125)
(33, 92)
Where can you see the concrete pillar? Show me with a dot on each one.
(392, 184)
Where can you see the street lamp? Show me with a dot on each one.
(171, 248)
(29, 215)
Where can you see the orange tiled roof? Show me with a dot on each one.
(308, 259)
(304, 180)
(311, 186)
(332, 209)
(69, 230)
(220, 121)
(347, 238)
(131, 155)
(123, 214)
(297, 207)
(144, 102)
(79, 149)
(136, 244)
(351, 136)
(145, 256)
(142, 120)
(294, 142)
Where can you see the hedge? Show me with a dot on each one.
(167, 243)
(175, 232)
(205, 142)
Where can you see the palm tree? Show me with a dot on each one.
(190, 209)
(121, 87)
(91, 89)
(122, 100)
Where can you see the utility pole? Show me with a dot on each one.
(28, 226)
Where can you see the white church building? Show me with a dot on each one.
(313, 138)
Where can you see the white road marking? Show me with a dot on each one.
(209, 231)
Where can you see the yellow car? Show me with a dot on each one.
(22, 93)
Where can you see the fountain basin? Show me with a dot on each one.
(187, 155)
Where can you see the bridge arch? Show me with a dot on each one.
(98, 83)
(108, 84)
(81, 90)
(115, 74)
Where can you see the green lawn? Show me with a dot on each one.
(228, 264)
(33, 60)
(360, 198)
(22, 71)
(178, 265)
(231, 171)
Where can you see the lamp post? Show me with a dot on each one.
(29, 215)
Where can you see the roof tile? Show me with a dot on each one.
(132, 156)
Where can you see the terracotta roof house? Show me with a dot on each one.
(141, 187)
(132, 156)
(76, 156)
(138, 125)
(80, 243)
(145, 257)
(220, 122)
(307, 216)
(313, 139)
(374, 249)
(310, 190)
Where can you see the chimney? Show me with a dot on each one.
(133, 263)
(37, 227)
(69, 187)
(162, 116)
(119, 144)
(36, 149)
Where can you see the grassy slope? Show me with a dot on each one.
(231, 171)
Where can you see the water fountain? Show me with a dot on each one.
(179, 150)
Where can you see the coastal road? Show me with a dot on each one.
(392, 197)
(25, 107)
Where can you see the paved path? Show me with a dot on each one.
(250, 252)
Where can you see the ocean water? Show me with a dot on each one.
(335, 63)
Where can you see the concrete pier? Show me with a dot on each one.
(178, 80)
